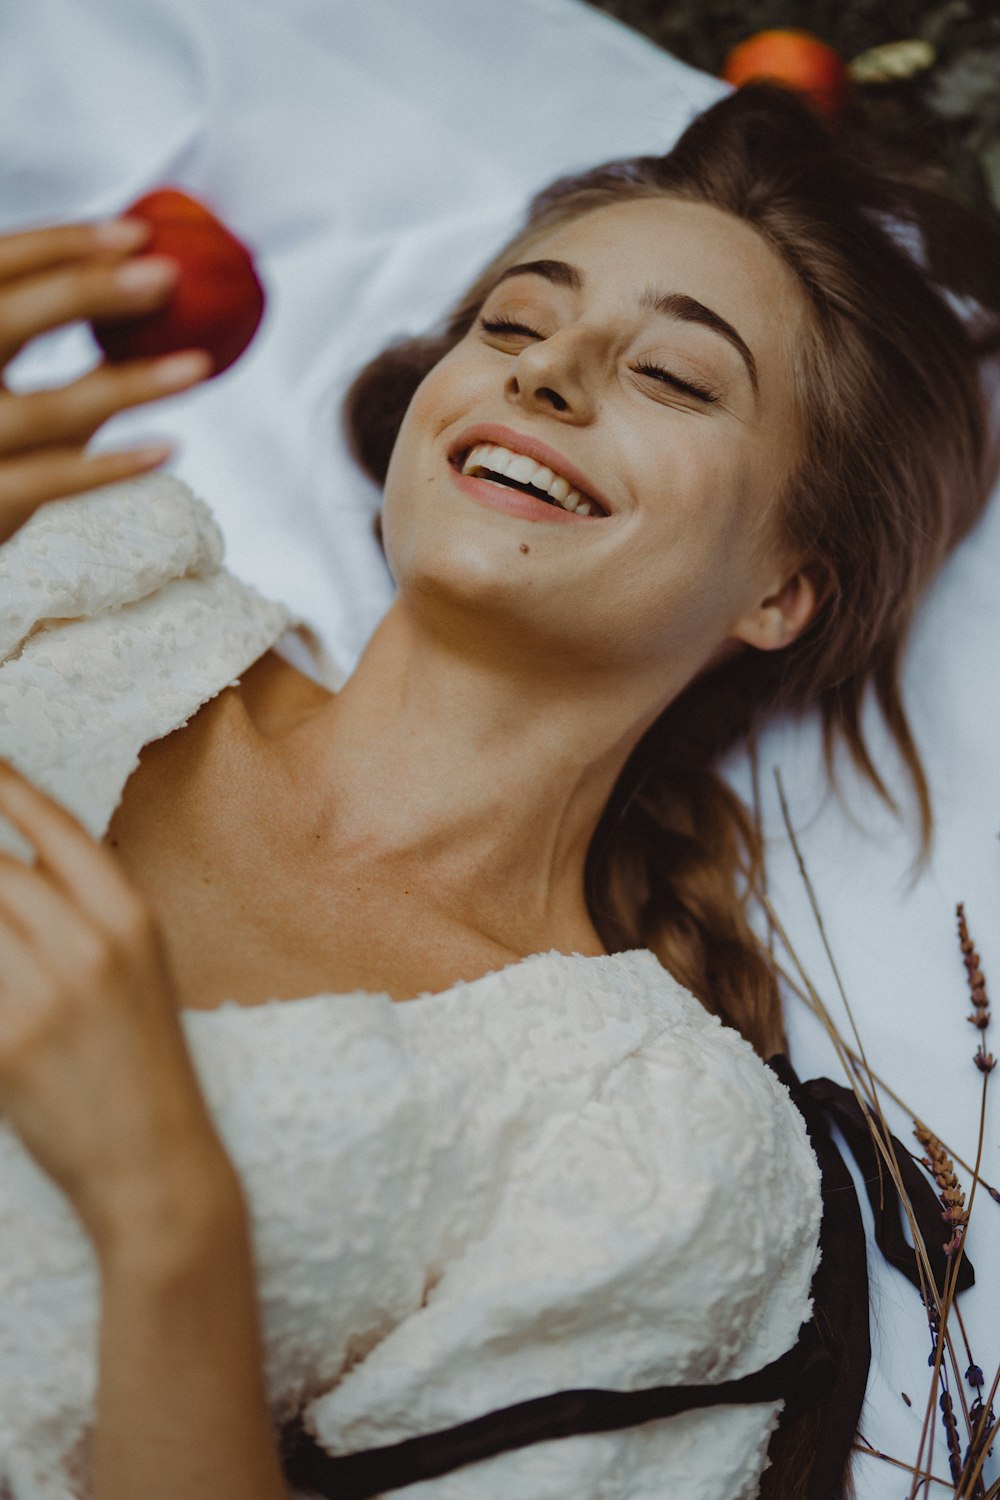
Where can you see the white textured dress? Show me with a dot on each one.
(563, 1174)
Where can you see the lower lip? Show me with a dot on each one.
(514, 502)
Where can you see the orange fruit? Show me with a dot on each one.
(796, 59)
(218, 301)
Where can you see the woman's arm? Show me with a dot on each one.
(97, 1080)
(93, 1070)
(181, 1405)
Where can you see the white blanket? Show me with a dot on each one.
(374, 156)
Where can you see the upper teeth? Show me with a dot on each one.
(526, 471)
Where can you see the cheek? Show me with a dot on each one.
(409, 465)
(426, 544)
(437, 404)
(416, 426)
(447, 391)
(696, 500)
(692, 559)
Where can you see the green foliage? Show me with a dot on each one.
(944, 120)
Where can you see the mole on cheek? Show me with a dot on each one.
(525, 547)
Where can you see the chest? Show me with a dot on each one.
(252, 904)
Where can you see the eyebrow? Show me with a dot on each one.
(670, 304)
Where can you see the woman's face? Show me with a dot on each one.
(651, 363)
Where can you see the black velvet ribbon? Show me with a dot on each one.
(829, 1363)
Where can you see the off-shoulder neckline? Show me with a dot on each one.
(428, 999)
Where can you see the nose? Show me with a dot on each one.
(548, 376)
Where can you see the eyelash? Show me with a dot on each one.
(503, 324)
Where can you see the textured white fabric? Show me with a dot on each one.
(159, 629)
(564, 1173)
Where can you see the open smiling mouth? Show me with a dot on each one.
(511, 470)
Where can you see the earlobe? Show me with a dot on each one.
(781, 617)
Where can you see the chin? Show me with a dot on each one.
(471, 585)
(480, 573)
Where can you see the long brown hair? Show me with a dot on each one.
(896, 468)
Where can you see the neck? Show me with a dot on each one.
(481, 777)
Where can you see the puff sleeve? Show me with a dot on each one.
(665, 1233)
(117, 622)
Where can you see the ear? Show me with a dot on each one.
(779, 618)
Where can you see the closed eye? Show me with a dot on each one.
(507, 325)
(704, 393)
(700, 392)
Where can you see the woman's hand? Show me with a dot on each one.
(95, 1075)
(64, 274)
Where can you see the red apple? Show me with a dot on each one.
(216, 304)
(796, 59)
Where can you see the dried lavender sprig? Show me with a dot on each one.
(955, 1247)
(980, 1017)
(951, 1432)
(942, 1169)
(852, 1057)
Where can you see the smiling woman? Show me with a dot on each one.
(718, 343)
(651, 415)
(782, 426)
(684, 456)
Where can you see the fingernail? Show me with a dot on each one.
(152, 453)
(182, 369)
(146, 275)
(121, 234)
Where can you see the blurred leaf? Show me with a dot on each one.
(892, 61)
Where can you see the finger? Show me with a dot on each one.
(32, 305)
(84, 869)
(73, 413)
(36, 909)
(19, 971)
(65, 945)
(58, 244)
(57, 473)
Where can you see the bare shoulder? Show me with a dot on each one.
(190, 768)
